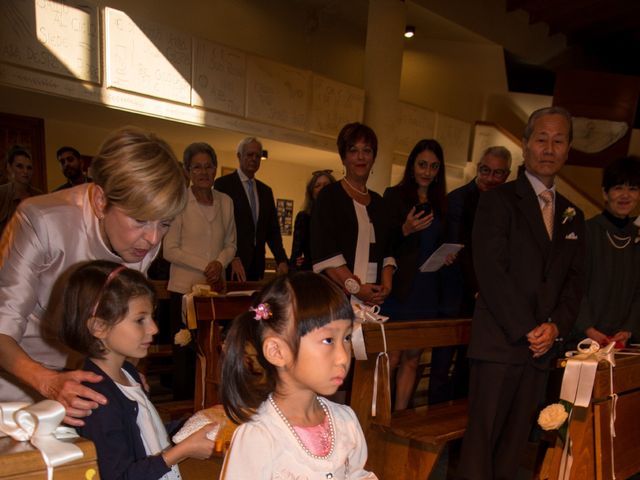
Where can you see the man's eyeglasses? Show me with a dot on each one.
(322, 172)
(498, 172)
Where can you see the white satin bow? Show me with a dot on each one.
(39, 424)
(369, 314)
(577, 388)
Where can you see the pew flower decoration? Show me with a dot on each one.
(553, 416)
(568, 214)
(183, 338)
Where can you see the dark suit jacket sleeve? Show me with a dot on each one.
(274, 237)
(455, 209)
(491, 255)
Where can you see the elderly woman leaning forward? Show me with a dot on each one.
(139, 188)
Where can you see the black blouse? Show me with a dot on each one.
(334, 230)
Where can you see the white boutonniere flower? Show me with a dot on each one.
(568, 215)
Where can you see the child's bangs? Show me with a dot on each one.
(319, 304)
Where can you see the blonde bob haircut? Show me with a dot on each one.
(140, 174)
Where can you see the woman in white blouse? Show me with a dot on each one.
(200, 244)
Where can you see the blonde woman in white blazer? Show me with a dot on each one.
(200, 243)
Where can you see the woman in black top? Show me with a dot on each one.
(301, 248)
(349, 231)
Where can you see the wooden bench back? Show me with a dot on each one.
(419, 334)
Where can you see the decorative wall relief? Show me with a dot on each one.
(147, 58)
(52, 36)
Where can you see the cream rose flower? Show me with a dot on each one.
(552, 417)
(182, 338)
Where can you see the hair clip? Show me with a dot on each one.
(263, 311)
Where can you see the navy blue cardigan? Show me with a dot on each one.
(114, 431)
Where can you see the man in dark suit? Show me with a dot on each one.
(459, 280)
(492, 170)
(255, 214)
(72, 167)
(528, 256)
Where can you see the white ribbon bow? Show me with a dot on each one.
(369, 314)
(577, 388)
(188, 306)
(39, 424)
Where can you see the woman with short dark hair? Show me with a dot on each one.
(610, 309)
(349, 227)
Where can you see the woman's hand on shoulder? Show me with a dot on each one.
(77, 399)
(416, 222)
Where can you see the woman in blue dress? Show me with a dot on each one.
(416, 209)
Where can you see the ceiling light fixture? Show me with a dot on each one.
(409, 31)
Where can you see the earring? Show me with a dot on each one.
(371, 172)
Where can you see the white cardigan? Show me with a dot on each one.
(192, 242)
(265, 449)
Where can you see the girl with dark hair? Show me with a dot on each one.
(299, 330)
(610, 308)
(416, 207)
(107, 316)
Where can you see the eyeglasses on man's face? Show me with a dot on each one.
(498, 172)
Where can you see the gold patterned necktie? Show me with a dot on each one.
(547, 211)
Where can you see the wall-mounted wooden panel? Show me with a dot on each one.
(59, 37)
(147, 58)
(277, 94)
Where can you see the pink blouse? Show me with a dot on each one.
(316, 438)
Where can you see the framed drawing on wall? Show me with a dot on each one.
(285, 215)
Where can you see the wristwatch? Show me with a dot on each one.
(352, 286)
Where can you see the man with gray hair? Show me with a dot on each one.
(492, 170)
(528, 255)
(255, 215)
